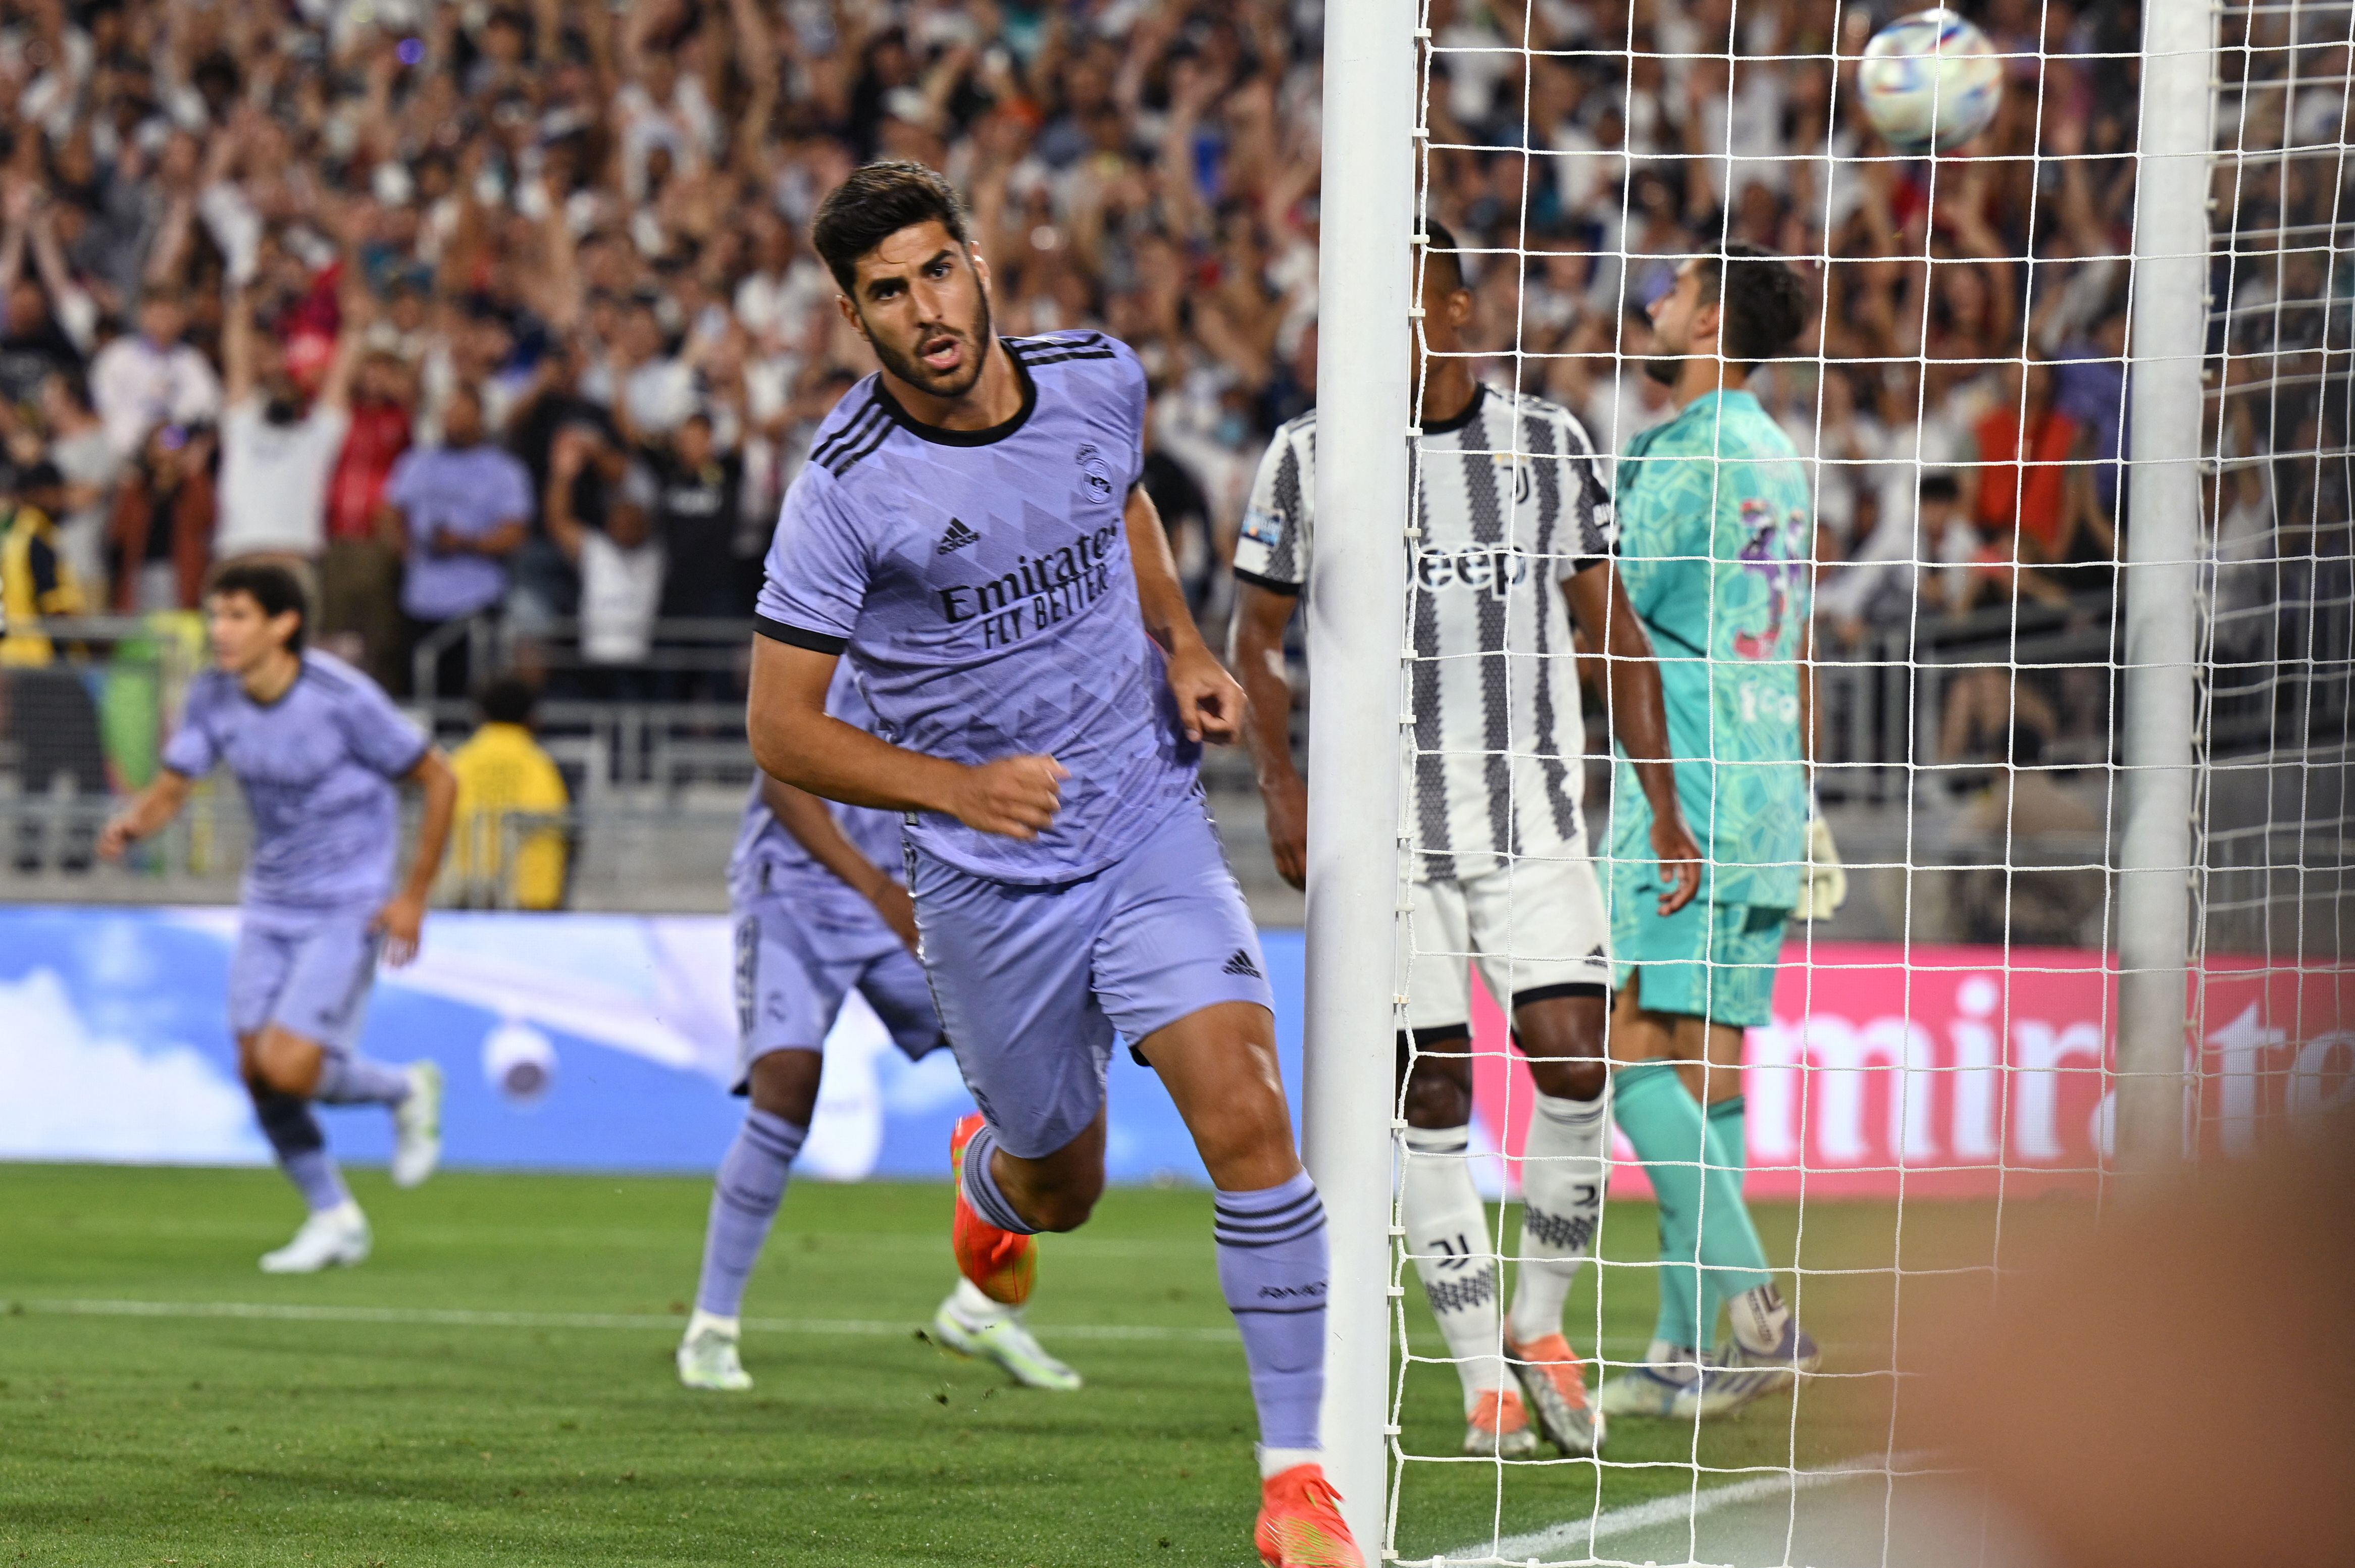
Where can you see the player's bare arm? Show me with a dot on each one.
(1638, 717)
(804, 817)
(403, 916)
(1260, 616)
(796, 740)
(149, 812)
(1209, 703)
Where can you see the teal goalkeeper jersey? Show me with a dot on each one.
(1714, 546)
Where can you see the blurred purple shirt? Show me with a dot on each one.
(469, 491)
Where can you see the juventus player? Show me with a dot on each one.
(970, 530)
(1509, 502)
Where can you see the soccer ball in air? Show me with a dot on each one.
(519, 1062)
(1930, 81)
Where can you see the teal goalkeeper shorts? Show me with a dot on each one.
(1707, 960)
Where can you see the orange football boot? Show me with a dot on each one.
(1300, 1522)
(1554, 1379)
(1002, 1265)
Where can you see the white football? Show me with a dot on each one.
(1930, 81)
(519, 1062)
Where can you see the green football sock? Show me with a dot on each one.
(1663, 1124)
(1729, 1149)
(1670, 1137)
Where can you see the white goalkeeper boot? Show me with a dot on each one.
(1790, 1351)
(336, 1237)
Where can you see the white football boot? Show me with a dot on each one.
(707, 1356)
(997, 1336)
(417, 1126)
(336, 1237)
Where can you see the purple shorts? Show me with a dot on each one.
(1034, 982)
(308, 971)
(796, 959)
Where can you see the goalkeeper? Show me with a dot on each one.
(1714, 530)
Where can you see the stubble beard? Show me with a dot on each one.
(914, 372)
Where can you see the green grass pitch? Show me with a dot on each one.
(362, 1429)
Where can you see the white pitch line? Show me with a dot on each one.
(1536, 1545)
(468, 1317)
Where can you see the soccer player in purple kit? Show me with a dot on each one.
(317, 750)
(817, 914)
(969, 530)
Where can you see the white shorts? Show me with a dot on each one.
(1532, 926)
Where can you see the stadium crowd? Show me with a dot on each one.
(507, 309)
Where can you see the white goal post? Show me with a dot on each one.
(1356, 603)
(2165, 344)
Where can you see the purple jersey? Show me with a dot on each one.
(980, 580)
(316, 769)
(770, 861)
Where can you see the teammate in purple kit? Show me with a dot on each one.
(817, 915)
(970, 530)
(317, 748)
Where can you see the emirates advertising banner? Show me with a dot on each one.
(608, 1041)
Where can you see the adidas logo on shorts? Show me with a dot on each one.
(957, 537)
(1240, 963)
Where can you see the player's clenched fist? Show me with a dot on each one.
(1015, 796)
(1209, 701)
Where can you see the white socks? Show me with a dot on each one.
(1273, 1462)
(1447, 1233)
(976, 1310)
(1561, 1191)
(702, 1321)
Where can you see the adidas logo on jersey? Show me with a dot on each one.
(957, 537)
(1240, 963)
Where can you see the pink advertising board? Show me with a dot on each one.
(1969, 1071)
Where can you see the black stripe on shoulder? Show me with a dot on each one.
(844, 461)
(816, 642)
(1029, 347)
(1273, 584)
(1035, 360)
(848, 433)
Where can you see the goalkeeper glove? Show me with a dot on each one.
(1823, 885)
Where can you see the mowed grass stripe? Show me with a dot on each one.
(473, 1317)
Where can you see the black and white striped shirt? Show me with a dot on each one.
(1509, 502)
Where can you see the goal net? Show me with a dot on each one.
(2080, 708)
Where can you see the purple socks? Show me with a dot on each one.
(347, 1078)
(301, 1149)
(744, 1199)
(1272, 1268)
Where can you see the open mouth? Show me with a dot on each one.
(942, 353)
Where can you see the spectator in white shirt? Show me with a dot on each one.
(277, 456)
(621, 567)
(150, 378)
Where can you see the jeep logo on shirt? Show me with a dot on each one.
(1495, 569)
